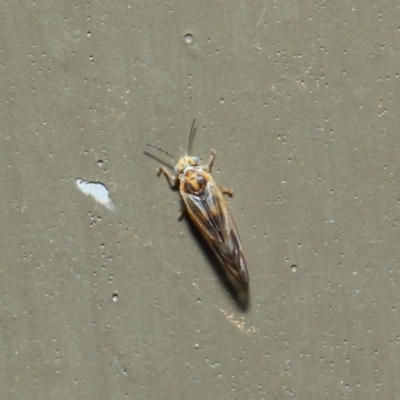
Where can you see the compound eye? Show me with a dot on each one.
(196, 160)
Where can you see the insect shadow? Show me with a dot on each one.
(160, 160)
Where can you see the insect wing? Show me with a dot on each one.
(211, 215)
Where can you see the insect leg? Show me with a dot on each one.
(181, 215)
(172, 180)
(225, 190)
(210, 163)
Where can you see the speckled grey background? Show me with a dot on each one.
(300, 101)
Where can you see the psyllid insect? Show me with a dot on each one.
(206, 205)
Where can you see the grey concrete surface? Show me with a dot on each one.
(301, 102)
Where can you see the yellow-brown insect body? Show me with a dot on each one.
(208, 209)
(193, 180)
(186, 161)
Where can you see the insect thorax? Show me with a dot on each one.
(193, 180)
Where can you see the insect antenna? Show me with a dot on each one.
(191, 137)
(163, 151)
